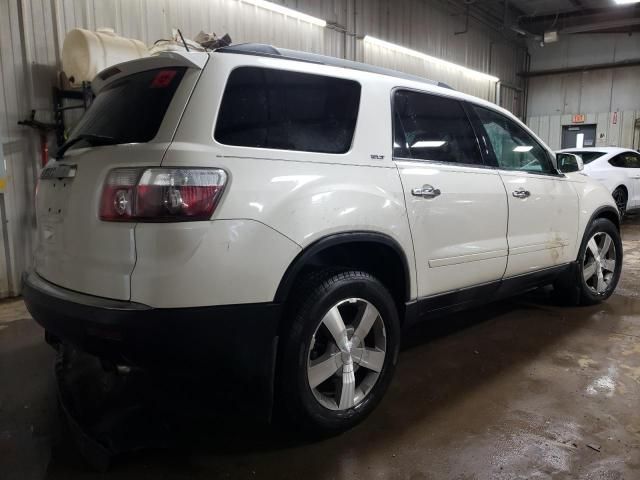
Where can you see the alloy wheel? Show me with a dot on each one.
(347, 354)
(599, 264)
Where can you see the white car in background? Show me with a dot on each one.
(618, 169)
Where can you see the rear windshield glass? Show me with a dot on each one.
(270, 108)
(587, 157)
(131, 109)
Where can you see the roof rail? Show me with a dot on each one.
(264, 50)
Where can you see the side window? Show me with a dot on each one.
(634, 160)
(268, 108)
(617, 161)
(428, 127)
(514, 148)
(626, 160)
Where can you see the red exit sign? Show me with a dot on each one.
(579, 118)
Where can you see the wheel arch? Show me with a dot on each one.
(374, 252)
(608, 212)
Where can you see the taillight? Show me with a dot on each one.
(161, 194)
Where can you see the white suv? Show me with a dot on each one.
(282, 217)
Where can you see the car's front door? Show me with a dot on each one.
(543, 204)
(457, 205)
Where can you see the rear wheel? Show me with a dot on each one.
(340, 351)
(620, 197)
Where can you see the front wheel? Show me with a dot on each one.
(599, 264)
(339, 352)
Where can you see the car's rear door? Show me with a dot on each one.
(457, 206)
(543, 205)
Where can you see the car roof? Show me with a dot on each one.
(406, 80)
(598, 149)
(264, 50)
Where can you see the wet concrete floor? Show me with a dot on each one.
(518, 389)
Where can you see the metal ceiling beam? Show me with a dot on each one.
(583, 20)
(583, 68)
(599, 26)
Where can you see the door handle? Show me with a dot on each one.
(521, 193)
(426, 191)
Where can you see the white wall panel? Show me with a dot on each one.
(555, 132)
(628, 126)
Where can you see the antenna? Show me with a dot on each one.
(182, 38)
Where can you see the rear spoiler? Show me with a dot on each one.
(161, 60)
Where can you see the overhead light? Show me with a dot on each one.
(551, 37)
(415, 53)
(428, 144)
(626, 2)
(523, 148)
(274, 7)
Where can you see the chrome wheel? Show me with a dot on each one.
(347, 354)
(599, 264)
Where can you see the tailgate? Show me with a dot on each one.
(130, 124)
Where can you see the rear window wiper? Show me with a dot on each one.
(90, 138)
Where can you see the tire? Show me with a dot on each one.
(595, 277)
(620, 197)
(325, 407)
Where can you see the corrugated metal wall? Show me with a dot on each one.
(32, 32)
(18, 148)
(608, 98)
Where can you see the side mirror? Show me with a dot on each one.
(569, 162)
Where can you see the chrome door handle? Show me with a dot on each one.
(426, 191)
(521, 193)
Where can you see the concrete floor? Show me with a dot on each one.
(519, 389)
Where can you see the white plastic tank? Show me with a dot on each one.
(85, 53)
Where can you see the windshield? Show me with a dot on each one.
(587, 157)
(130, 110)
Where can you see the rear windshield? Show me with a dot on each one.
(587, 157)
(268, 108)
(131, 109)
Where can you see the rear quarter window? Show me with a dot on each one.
(279, 109)
(587, 157)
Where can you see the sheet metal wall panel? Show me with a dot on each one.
(572, 89)
(16, 150)
(555, 131)
(584, 49)
(628, 126)
(405, 23)
(596, 94)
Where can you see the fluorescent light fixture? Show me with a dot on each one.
(424, 56)
(274, 7)
(428, 144)
(523, 148)
(626, 2)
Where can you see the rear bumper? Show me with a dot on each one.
(237, 342)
